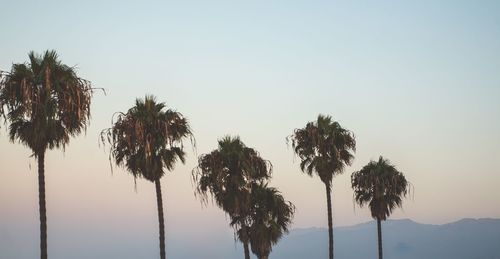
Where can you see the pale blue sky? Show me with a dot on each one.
(417, 82)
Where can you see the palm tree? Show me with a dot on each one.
(147, 140)
(381, 186)
(45, 103)
(325, 148)
(226, 174)
(271, 216)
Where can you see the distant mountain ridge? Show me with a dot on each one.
(403, 239)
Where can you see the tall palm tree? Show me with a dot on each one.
(270, 215)
(147, 140)
(226, 174)
(45, 103)
(380, 186)
(325, 148)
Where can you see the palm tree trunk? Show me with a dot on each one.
(379, 228)
(160, 219)
(41, 204)
(245, 240)
(247, 250)
(330, 221)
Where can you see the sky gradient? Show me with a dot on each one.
(417, 82)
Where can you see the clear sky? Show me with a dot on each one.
(416, 81)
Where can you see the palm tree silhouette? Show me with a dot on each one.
(226, 174)
(380, 186)
(325, 148)
(270, 215)
(46, 103)
(147, 140)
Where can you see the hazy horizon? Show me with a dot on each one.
(417, 82)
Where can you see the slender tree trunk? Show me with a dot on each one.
(379, 230)
(245, 240)
(330, 221)
(41, 204)
(247, 250)
(160, 219)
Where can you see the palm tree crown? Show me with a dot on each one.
(148, 139)
(46, 102)
(380, 186)
(227, 170)
(271, 217)
(324, 147)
